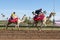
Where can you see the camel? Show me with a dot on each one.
(43, 22)
(17, 22)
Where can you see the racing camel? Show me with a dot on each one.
(16, 21)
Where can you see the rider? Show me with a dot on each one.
(13, 15)
(37, 12)
(40, 15)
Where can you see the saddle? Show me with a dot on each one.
(13, 20)
(40, 17)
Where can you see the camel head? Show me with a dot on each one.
(53, 13)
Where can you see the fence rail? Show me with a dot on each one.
(4, 22)
(3, 25)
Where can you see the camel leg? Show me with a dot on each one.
(41, 25)
(7, 25)
(33, 24)
(17, 25)
(36, 23)
(44, 23)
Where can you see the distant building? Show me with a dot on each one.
(57, 22)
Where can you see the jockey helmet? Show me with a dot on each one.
(13, 12)
(40, 9)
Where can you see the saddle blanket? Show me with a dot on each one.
(13, 20)
(36, 18)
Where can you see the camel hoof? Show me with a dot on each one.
(6, 28)
(18, 29)
(38, 28)
(12, 28)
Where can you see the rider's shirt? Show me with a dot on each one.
(13, 16)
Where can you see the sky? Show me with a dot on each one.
(22, 7)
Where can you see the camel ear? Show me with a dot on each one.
(53, 13)
(3, 15)
(33, 12)
(44, 12)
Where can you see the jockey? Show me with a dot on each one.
(38, 11)
(13, 15)
(13, 18)
(39, 15)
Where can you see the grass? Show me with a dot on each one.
(27, 28)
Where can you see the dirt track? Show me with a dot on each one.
(29, 34)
